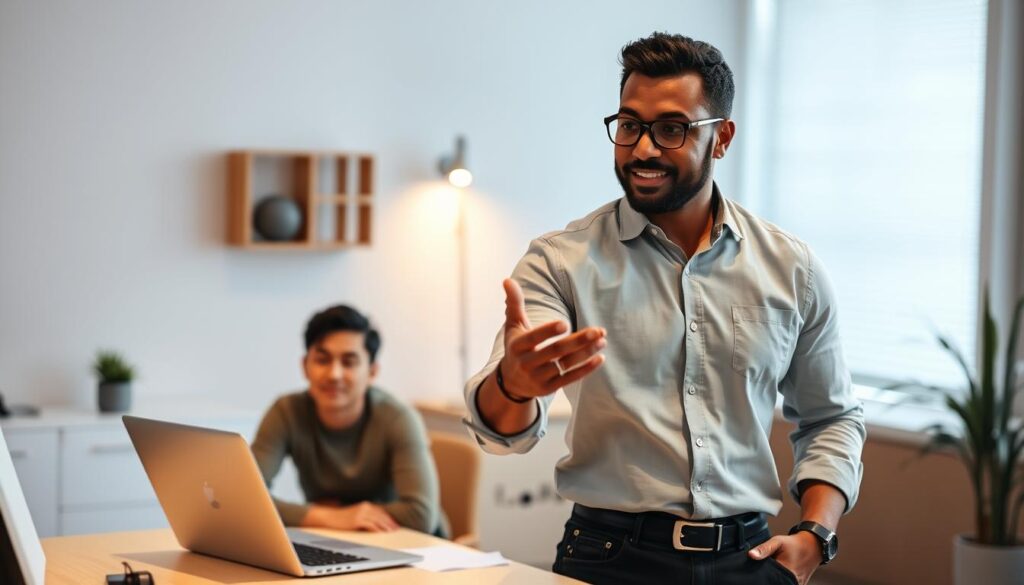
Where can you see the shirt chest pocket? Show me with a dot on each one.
(763, 339)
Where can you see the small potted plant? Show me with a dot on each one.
(115, 381)
(989, 441)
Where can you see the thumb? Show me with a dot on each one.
(515, 306)
(766, 549)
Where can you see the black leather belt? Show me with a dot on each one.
(663, 530)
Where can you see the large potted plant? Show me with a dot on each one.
(989, 440)
(115, 381)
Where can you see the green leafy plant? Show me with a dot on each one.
(111, 366)
(989, 441)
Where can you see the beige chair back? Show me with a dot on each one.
(458, 470)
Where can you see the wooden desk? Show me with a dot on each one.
(84, 560)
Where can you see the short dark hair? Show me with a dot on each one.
(663, 54)
(342, 318)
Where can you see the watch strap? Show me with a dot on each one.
(824, 535)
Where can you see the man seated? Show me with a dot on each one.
(363, 457)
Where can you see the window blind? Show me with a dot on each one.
(874, 158)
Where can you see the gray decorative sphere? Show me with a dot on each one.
(277, 218)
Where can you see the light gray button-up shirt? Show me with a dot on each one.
(678, 417)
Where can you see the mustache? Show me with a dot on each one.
(642, 165)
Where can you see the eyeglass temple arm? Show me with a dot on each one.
(700, 123)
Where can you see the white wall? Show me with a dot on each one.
(114, 117)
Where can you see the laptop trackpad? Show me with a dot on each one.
(335, 544)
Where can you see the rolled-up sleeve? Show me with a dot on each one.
(540, 275)
(818, 397)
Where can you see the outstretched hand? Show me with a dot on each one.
(535, 362)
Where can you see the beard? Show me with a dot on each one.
(679, 193)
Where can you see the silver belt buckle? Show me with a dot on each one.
(677, 536)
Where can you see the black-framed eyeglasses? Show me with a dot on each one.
(666, 134)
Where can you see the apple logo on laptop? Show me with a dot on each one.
(210, 497)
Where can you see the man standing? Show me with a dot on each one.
(700, 313)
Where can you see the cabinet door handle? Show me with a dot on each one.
(115, 449)
(18, 453)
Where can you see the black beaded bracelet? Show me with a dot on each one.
(504, 391)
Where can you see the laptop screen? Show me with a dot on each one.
(21, 554)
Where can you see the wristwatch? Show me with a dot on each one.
(828, 539)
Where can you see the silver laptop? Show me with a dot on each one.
(217, 504)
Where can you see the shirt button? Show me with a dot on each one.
(691, 390)
(698, 487)
(700, 442)
(693, 326)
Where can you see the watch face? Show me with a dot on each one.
(832, 548)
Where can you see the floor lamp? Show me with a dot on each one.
(454, 168)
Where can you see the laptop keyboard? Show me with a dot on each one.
(316, 557)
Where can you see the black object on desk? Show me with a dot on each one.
(130, 577)
(19, 410)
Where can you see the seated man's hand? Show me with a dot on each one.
(362, 516)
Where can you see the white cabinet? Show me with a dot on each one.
(99, 467)
(113, 519)
(34, 452)
(80, 473)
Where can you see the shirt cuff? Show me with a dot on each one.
(844, 475)
(490, 440)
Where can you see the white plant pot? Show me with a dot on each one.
(974, 564)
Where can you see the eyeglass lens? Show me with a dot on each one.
(666, 134)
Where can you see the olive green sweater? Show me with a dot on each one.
(383, 458)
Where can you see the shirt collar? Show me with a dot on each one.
(724, 217)
(632, 223)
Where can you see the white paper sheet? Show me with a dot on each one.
(450, 558)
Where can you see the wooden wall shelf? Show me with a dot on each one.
(336, 212)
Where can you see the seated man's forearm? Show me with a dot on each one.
(362, 516)
(415, 514)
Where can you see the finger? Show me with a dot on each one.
(547, 372)
(525, 342)
(376, 525)
(567, 378)
(515, 306)
(570, 361)
(585, 342)
(388, 521)
(766, 549)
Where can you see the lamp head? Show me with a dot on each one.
(454, 166)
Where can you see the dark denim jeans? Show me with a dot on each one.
(601, 555)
